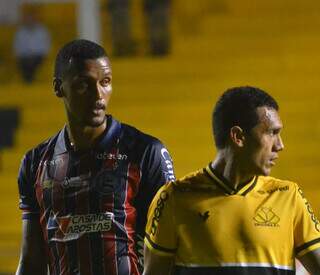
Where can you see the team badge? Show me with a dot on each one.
(265, 216)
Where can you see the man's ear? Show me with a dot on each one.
(237, 136)
(57, 87)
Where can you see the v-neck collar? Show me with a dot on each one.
(108, 137)
(225, 186)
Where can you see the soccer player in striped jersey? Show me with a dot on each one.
(85, 191)
(231, 217)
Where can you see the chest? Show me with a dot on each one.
(235, 225)
(87, 183)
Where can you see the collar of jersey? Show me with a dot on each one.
(223, 184)
(110, 135)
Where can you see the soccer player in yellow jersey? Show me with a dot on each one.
(232, 217)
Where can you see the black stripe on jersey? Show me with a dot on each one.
(96, 243)
(123, 263)
(306, 245)
(69, 207)
(72, 249)
(160, 248)
(225, 185)
(55, 261)
(243, 270)
(251, 187)
(213, 180)
(71, 246)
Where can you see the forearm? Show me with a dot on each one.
(33, 258)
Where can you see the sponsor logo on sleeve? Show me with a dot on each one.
(169, 173)
(310, 211)
(158, 211)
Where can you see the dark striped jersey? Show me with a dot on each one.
(92, 206)
(211, 228)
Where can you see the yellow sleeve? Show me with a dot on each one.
(161, 235)
(306, 226)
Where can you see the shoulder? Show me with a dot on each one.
(136, 135)
(35, 154)
(139, 141)
(190, 183)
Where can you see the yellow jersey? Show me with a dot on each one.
(212, 228)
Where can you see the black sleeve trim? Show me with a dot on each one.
(306, 245)
(157, 247)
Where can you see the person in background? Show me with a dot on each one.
(231, 217)
(31, 45)
(157, 15)
(85, 191)
(123, 43)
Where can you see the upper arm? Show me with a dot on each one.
(157, 169)
(156, 264)
(311, 261)
(160, 243)
(33, 255)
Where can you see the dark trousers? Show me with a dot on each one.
(28, 66)
(157, 15)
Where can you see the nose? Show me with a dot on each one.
(99, 92)
(279, 146)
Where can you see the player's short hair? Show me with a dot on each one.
(237, 107)
(79, 49)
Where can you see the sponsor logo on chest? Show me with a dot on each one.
(72, 227)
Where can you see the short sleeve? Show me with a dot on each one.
(157, 169)
(306, 226)
(27, 195)
(161, 235)
(158, 165)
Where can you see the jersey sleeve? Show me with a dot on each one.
(161, 237)
(156, 170)
(27, 195)
(306, 226)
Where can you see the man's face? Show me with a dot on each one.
(86, 91)
(264, 142)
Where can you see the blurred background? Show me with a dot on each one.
(170, 62)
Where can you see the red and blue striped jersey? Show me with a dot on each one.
(92, 206)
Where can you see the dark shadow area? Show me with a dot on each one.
(9, 121)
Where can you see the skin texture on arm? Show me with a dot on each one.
(33, 257)
(311, 261)
(155, 264)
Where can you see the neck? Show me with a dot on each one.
(84, 137)
(228, 166)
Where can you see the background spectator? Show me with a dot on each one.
(31, 46)
(157, 14)
(122, 41)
